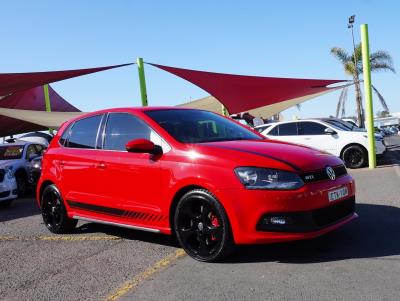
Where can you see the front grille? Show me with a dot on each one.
(308, 221)
(2, 173)
(321, 175)
(328, 215)
(4, 194)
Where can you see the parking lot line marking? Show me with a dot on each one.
(60, 238)
(133, 283)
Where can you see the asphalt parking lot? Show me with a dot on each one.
(360, 261)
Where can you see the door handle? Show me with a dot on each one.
(101, 165)
(62, 163)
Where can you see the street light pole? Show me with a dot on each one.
(356, 77)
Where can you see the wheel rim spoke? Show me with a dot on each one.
(186, 234)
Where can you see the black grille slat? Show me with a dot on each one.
(321, 175)
(4, 194)
(331, 214)
(2, 173)
(308, 221)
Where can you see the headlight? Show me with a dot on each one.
(265, 178)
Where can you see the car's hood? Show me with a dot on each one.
(294, 156)
(6, 163)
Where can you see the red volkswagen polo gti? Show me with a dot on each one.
(195, 174)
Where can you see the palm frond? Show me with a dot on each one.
(349, 68)
(340, 54)
(382, 66)
(381, 55)
(381, 99)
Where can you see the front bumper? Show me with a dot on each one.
(380, 148)
(315, 215)
(8, 189)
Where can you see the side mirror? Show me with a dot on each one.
(143, 146)
(329, 131)
(32, 156)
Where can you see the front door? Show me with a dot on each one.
(129, 181)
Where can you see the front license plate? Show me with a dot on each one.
(337, 194)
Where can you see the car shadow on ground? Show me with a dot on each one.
(374, 234)
(19, 208)
(128, 234)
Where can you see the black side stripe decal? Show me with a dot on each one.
(258, 154)
(113, 211)
(96, 208)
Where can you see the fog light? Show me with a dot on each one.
(278, 220)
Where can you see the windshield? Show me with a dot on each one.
(196, 126)
(340, 125)
(11, 152)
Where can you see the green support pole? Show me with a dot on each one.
(142, 81)
(47, 101)
(368, 96)
(224, 111)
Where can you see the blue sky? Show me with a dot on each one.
(266, 38)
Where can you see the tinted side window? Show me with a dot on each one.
(65, 135)
(288, 129)
(122, 128)
(274, 131)
(83, 133)
(311, 128)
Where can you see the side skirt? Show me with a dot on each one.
(115, 224)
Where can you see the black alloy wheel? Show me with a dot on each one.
(202, 227)
(54, 213)
(355, 156)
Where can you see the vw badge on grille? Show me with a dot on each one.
(331, 173)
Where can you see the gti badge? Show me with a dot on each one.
(331, 173)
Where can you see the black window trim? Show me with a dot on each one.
(71, 126)
(103, 134)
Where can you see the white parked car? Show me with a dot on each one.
(327, 134)
(15, 168)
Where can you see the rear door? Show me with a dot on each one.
(78, 162)
(313, 134)
(285, 132)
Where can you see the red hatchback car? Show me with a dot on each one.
(195, 174)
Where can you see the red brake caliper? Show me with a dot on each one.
(214, 223)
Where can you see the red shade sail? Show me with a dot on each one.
(14, 82)
(240, 93)
(31, 99)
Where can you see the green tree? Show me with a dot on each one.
(379, 60)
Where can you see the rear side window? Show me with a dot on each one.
(122, 128)
(273, 131)
(83, 133)
(288, 129)
(311, 128)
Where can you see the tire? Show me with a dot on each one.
(22, 184)
(202, 226)
(355, 156)
(54, 213)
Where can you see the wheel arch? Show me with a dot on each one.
(352, 144)
(177, 196)
(43, 186)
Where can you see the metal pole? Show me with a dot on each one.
(224, 111)
(142, 82)
(368, 95)
(47, 101)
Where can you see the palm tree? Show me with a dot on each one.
(379, 61)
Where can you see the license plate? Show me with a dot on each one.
(337, 194)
